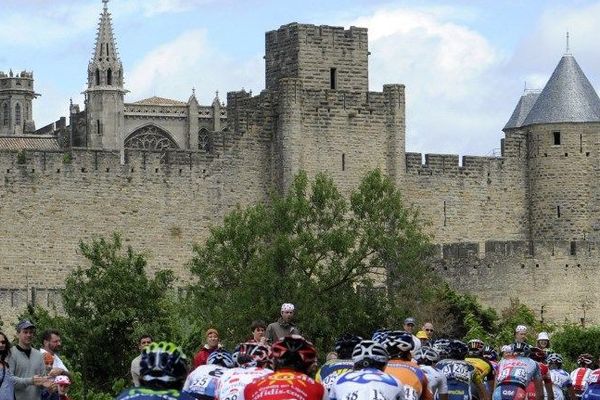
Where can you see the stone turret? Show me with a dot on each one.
(105, 93)
(562, 129)
(16, 96)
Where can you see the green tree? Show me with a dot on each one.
(108, 304)
(313, 247)
(572, 340)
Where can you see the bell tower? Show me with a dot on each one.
(105, 94)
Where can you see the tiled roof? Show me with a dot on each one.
(29, 142)
(523, 107)
(160, 101)
(567, 97)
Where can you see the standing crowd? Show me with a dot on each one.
(277, 363)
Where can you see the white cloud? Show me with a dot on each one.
(448, 70)
(172, 69)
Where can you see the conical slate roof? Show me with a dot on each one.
(521, 111)
(567, 97)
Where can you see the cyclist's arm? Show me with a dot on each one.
(539, 390)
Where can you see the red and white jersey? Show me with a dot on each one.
(234, 381)
(285, 384)
(579, 377)
(594, 377)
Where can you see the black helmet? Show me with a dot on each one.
(457, 350)
(520, 349)
(163, 365)
(345, 345)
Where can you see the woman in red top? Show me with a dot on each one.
(212, 344)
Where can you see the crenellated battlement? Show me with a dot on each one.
(448, 164)
(23, 74)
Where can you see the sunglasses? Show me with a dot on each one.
(429, 330)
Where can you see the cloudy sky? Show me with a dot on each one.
(464, 62)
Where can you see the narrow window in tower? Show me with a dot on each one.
(107, 52)
(444, 212)
(109, 77)
(333, 78)
(6, 114)
(343, 162)
(556, 135)
(99, 127)
(97, 77)
(573, 248)
(558, 211)
(18, 114)
(580, 143)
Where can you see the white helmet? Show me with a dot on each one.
(521, 329)
(543, 336)
(369, 350)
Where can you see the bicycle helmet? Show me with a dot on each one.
(295, 352)
(476, 347)
(379, 335)
(537, 354)
(62, 380)
(262, 356)
(520, 349)
(441, 346)
(585, 360)
(457, 350)
(398, 342)
(163, 365)
(241, 354)
(345, 345)
(369, 353)
(426, 355)
(490, 354)
(221, 357)
(554, 359)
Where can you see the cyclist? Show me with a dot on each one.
(163, 368)
(484, 377)
(458, 372)
(580, 375)
(538, 355)
(515, 371)
(441, 346)
(253, 361)
(293, 357)
(491, 355)
(427, 357)
(399, 345)
(203, 381)
(332, 369)
(367, 381)
(592, 392)
(561, 380)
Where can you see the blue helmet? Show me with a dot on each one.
(221, 357)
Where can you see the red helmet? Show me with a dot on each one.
(294, 352)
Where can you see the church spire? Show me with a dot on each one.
(106, 48)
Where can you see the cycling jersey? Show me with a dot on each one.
(545, 373)
(437, 381)
(331, 370)
(140, 393)
(561, 381)
(412, 377)
(203, 381)
(484, 373)
(459, 375)
(513, 376)
(592, 392)
(233, 381)
(284, 384)
(366, 384)
(579, 378)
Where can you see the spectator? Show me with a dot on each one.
(409, 326)
(423, 338)
(212, 344)
(27, 365)
(521, 334)
(258, 329)
(51, 345)
(7, 380)
(283, 326)
(144, 341)
(428, 328)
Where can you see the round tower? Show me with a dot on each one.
(16, 97)
(105, 93)
(562, 128)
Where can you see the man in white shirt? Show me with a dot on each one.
(145, 340)
(52, 344)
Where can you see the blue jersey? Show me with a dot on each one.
(331, 370)
(367, 384)
(459, 374)
(139, 393)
